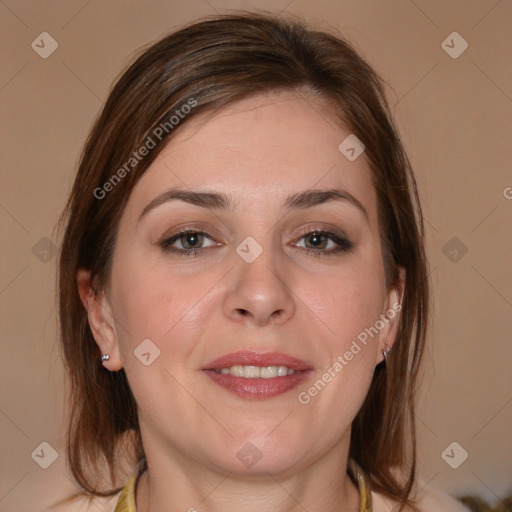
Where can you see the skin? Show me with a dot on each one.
(311, 305)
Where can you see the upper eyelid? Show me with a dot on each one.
(303, 232)
(179, 234)
(329, 230)
(186, 230)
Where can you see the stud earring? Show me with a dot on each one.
(105, 357)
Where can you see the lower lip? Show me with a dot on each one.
(258, 388)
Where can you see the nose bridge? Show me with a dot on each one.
(259, 291)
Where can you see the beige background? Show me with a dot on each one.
(455, 117)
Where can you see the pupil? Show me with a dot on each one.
(316, 240)
(192, 240)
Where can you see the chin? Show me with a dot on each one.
(259, 455)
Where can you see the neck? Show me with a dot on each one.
(179, 484)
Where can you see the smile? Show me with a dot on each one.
(256, 375)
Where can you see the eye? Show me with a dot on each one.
(320, 242)
(188, 242)
(316, 240)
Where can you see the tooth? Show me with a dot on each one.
(237, 370)
(267, 372)
(251, 372)
(255, 372)
(282, 371)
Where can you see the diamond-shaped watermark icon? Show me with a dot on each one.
(454, 249)
(249, 454)
(249, 249)
(45, 455)
(454, 455)
(146, 352)
(454, 45)
(351, 147)
(44, 249)
(44, 45)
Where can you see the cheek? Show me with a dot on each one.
(344, 309)
(346, 302)
(152, 302)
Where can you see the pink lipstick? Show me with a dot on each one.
(257, 375)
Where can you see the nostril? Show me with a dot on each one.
(242, 312)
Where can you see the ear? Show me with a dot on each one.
(390, 316)
(101, 320)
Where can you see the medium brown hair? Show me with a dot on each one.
(210, 64)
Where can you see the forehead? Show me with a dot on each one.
(259, 149)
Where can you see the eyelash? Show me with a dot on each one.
(167, 243)
(344, 244)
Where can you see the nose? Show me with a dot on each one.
(259, 292)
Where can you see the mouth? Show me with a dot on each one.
(257, 375)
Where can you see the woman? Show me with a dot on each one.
(243, 283)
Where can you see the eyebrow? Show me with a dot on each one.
(218, 201)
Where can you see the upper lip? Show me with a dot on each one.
(247, 358)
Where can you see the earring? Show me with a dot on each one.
(105, 357)
(386, 352)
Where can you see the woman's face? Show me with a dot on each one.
(283, 255)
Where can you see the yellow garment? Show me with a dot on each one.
(126, 501)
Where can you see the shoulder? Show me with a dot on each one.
(428, 500)
(83, 503)
(437, 501)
